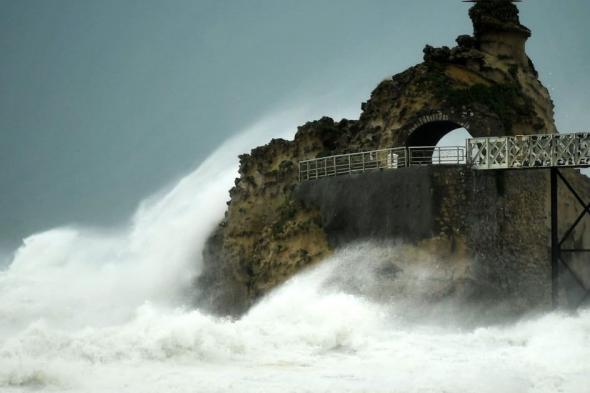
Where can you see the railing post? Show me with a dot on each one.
(552, 151)
(507, 153)
(576, 147)
(488, 152)
(335, 170)
(349, 167)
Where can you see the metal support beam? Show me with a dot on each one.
(569, 186)
(555, 247)
(557, 260)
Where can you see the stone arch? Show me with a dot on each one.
(429, 129)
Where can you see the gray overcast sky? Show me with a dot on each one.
(104, 102)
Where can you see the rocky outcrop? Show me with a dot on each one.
(267, 235)
(485, 84)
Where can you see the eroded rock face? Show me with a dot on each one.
(266, 235)
(485, 84)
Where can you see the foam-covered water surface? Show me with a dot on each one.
(94, 310)
(306, 336)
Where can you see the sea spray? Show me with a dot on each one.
(74, 276)
(95, 310)
(316, 329)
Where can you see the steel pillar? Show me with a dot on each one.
(557, 250)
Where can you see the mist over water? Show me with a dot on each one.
(96, 310)
(75, 276)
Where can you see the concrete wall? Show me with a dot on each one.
(498, 220)
(374, 205)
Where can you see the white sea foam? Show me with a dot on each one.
(82, 276)
(309, 335)
(85, 310)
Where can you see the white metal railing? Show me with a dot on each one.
(506, 152)
(352, 163)
(380, 159)
(429, 155)
(530, 151)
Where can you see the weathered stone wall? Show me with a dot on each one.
(369, 206)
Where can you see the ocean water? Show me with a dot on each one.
(105, 310)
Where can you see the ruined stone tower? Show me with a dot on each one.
(274, 226)
(498, 30)
(486, 84)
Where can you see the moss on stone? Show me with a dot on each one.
(504, 100)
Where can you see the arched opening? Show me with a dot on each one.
(430, 134)
(454, 138)
(438, 142)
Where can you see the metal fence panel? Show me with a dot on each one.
(529, 151)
